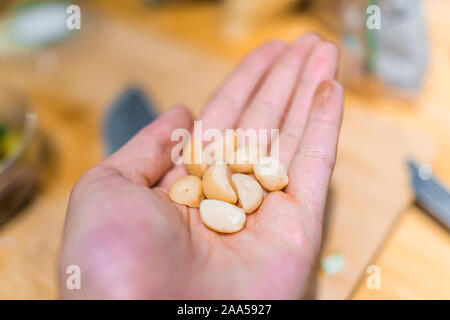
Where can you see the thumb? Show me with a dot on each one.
(146, 157)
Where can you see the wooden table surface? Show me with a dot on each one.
(415, 259)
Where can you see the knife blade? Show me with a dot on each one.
(430, 193)
(129, 112)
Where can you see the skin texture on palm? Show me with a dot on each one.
(131, 241)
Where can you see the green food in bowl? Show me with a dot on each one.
(9, 142)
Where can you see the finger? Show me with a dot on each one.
(313, 163)
(293, 59)
(322, 65)
(269, 104)
(172, 176)
(147, 156)
(227, 104)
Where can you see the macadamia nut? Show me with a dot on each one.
(221, 150)
(271, 174)
(193, 158)
(210, 177)
(245, 158)
(217, 184)
(249, 191)
(222, 216)
(187, 191)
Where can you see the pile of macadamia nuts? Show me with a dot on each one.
(232, 188)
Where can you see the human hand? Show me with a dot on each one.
(132, 242)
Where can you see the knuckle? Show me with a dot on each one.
(326, 119)
(318, 155)
(227, 100)
(292, 134)
(265, 106)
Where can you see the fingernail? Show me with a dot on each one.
(323, 95)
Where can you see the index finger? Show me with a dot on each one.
(225, 107)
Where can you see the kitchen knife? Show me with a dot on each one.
(129, 113)
(430, 193)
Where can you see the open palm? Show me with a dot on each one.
(131, 241)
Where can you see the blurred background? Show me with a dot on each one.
(59, 82)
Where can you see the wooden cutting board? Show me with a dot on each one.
(368, 192)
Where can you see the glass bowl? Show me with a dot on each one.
(19, 152)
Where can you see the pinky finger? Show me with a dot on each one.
(313, 163)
